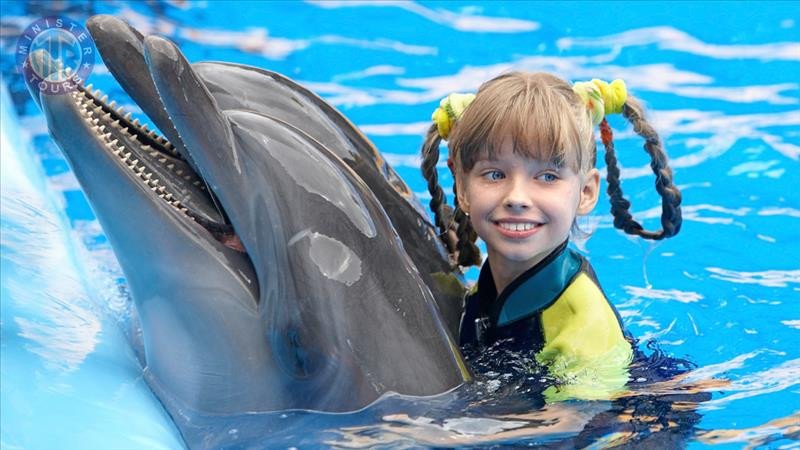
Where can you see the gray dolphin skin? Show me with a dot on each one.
(238, 87)
(259, 240)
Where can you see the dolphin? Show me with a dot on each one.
(266, 273)
(239, 87)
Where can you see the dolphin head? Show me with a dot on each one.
(266, 273)
(348, 293)
(179, 256)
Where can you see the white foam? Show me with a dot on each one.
(669, 38)
(457, 21)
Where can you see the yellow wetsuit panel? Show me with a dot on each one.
(584, 347)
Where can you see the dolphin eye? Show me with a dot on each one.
(292, 353)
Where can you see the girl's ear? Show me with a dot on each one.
(461, 193)
(589, 192)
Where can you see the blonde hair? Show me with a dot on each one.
(539, 112)
(546, 120)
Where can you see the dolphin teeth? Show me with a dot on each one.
(170, 166)
(128, 116)
(134, 162)
(162, 160)
(112, 104)
(179, 172)
(89, 87)
(136, 122)
(105, 97)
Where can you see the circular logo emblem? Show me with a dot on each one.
(55, 55)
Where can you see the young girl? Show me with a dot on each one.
(522, 152)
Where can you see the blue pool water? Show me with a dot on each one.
(720, 83)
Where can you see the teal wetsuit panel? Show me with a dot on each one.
(540, 289)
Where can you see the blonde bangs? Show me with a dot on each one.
(538, 112)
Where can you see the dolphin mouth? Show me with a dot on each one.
(155, 162)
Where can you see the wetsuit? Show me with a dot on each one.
(558, 310)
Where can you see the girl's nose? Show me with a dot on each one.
(518, 197)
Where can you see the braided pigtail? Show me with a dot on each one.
(603, 98)
(455, 229)
(670, 195)
(442, 214)
(468, 253)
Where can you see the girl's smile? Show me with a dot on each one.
(516, 229)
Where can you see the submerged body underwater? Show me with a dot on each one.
(716, 322)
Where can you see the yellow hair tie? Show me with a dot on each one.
(602, 98)
(449, 110)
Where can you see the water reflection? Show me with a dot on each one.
(45, 300)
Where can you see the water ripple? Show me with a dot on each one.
(769, 278)
(773, 379)
(50, 305)
(460, 22)
(669, 38)
(760, 436)
(662, 294)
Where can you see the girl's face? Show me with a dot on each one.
(523, 208)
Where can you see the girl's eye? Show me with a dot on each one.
(548, 177)
(493, 175)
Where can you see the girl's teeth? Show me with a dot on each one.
(517, 226)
